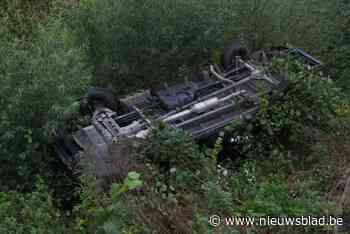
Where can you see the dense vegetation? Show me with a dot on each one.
(295, 161)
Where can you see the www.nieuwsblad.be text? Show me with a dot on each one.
(216, 221)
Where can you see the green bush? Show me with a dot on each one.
(22, 17)
(178, 159)
(258, 190)
(131, 44)
(283, 121)
(98, 212)
(340, 67)
(312, 25)
(105, 212)
(259, 193)
(137, 44)
(30, 213)
(38, 81)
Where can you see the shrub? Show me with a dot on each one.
(105, 212)
(37, 82)
(134, 44)
(30, 213)
(283, 121)
(303, 23)
(21, 17)
(181, 164)
(137, 44)
(339, 67)
(260, 192)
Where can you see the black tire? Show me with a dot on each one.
(101, 96)
(66, 148)
(229, 54)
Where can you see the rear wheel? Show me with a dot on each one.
(230, 54)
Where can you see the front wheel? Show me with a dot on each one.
(100, 96)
